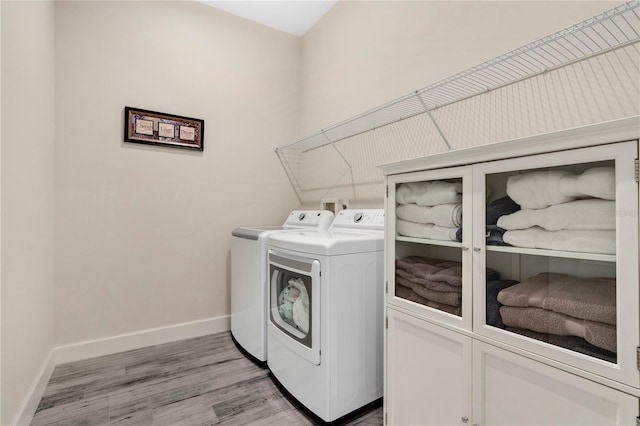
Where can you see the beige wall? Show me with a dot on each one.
(142, 234)
(362, 54)
(27, 197)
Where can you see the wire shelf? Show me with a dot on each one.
(610, 30)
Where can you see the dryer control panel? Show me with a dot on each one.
(359, 219)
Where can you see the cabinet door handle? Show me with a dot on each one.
(465, 248)
(465, 419)
(476, 249)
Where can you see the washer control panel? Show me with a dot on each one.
(320, 219)
(359, 219)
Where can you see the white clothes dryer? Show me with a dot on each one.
(249, 279)
(325, 325)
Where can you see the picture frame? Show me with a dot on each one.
(161, 129)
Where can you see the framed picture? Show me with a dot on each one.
(157, 128)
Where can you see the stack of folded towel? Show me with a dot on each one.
(430, 210)
(435, 283)
(563, 211)
(563, 305)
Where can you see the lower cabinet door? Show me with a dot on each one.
(428, 373)
(510, 389)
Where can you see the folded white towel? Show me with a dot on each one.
(447, 215)
(537, 190)
(430, 193)
(425, 230)
(597, 182)
(603, 242)
(591, 213)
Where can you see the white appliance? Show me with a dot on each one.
(249, 279)
(326, 314)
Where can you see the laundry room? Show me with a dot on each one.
(213, 212)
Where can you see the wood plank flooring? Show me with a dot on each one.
(200, 381)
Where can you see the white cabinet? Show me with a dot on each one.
(512, 282)
(511, 390)
(427, 366)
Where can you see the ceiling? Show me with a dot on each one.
(294, 16)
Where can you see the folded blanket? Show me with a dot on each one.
(425, 230)
(453, 298)
(492, 305)
(446, 215)
(591, 213)
(544, 321)
(430, 193)
(603, 242)
(540, 189)
(446, 271)
(408, 294)
(577, 344)
(431, 285)
(592, 299)
(500, 207)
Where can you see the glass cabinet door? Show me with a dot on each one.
(429, 224)
(553, 227)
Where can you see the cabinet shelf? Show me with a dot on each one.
(517, 250)
(426, 241)
(554, 253)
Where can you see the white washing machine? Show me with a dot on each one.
(325, 325)
(249, 279)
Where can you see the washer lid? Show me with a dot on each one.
(253, 233)
(328, 243)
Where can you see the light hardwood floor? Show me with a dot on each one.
(200, 381)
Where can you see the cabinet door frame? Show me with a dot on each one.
(627, 405)
(627, 276)
(465, 172)
(392, 359)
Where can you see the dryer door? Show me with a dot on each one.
(294, 303)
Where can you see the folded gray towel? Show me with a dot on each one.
(408, 294)
(428, 284)
(446, 271)
(573, 343)
(453, 298)
(543, 321)
(592, 299)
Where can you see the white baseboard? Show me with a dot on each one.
(32, 399)
(140, 339)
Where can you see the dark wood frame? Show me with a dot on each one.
(132, 115)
